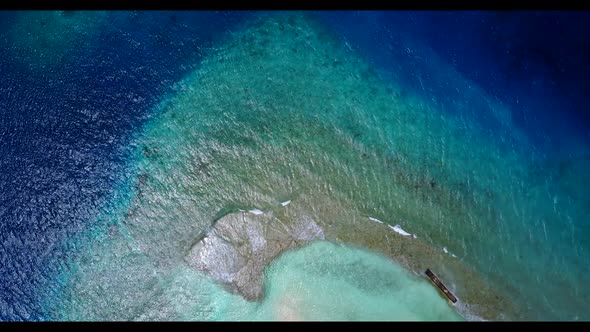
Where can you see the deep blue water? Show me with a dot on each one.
(64, 131)
(535, 63)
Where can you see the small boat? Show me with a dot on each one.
(441, 286)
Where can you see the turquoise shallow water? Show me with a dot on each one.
(330, 282)
(320, 282)
(280, 111)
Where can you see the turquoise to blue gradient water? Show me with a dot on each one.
(71, 106)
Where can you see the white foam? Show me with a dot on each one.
(375, 220)
(286, 203)
(256, 211)
(398, 229)
(447, 252)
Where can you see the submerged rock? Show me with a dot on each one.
(240, 245)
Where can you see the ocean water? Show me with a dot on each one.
(324, 281)
(150, 135)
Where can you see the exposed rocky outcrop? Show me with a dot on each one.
(240, 245)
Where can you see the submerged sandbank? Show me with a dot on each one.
(282, 112)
